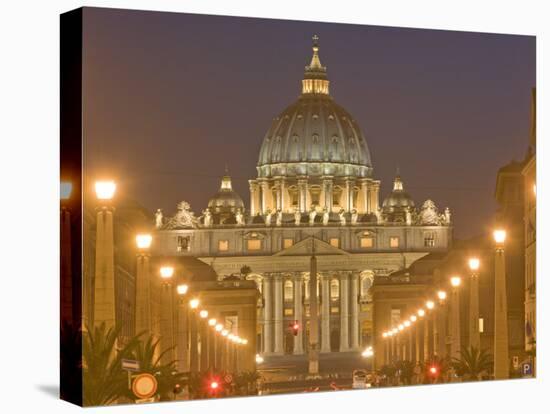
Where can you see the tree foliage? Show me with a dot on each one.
(473, 363)
(103, 378)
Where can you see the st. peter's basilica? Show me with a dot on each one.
(315, 193)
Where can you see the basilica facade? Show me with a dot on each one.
(315, 194)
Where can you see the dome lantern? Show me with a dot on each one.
(315, 77)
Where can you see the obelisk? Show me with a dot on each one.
(313, 356)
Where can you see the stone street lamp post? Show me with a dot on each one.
(501, 357)
(167, 313)
(455, 316)
(104, 287)
(473, 324)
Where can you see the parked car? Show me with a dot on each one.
(359, 380)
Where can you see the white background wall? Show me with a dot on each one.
(29, 181)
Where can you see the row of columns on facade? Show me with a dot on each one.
(273, 321)
(263, 199)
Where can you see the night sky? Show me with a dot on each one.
(170, 99)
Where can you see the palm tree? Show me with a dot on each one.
(406, 370)
(167, 377)
(473, 363)
(104, 380)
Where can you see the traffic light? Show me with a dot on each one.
(214, 385)
(295, 327)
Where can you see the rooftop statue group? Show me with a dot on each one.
(427, 215)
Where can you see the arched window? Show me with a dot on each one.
(288, 290)
(334, 289)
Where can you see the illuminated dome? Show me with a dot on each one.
(226, 200)
(398, 200)
(314, 136)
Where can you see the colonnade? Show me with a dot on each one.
(423, 340)
(274, 194)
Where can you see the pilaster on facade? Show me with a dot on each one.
(344, 311)
(325, 312)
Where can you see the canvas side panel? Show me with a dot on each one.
(71, 206)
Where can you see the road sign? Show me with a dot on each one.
(144, 386)
(527, 369)
(130, 365)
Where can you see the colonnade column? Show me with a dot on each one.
(373, 195)
(417, 346)
(298, 314)
(411, 354)
(325, 313)
(182, 332)
(267, 198)
(254, 197)
(283, 195)
(302, 195)
(278, 317)
(268, 314)
(328, 189)
(354, 309)
(362, 199)
(427, 333)
(344, 312)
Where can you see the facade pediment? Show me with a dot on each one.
(304, 248)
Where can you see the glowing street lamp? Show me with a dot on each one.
(143, 241)
(456, 281)
(182, 289)
(203, 314)
(212, 322)
(194, 303)
(105, 190)
(400, 327)
(65, 190)
(219, 327)
(473, 264)
(499, 236)
(166, 272)
(430, 304)
(367, 353)
(442, 295)
(413, 318)
(421, 312)
(407, 324)
(259, 359)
